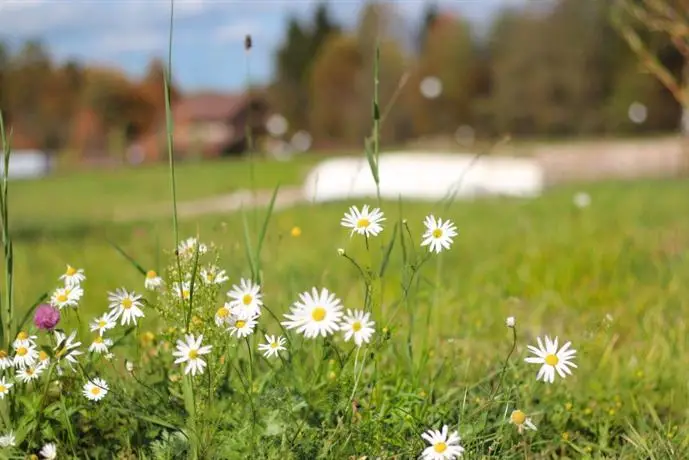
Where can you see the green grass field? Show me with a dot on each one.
(612, 278)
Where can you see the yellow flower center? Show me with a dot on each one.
(29, 371)
(222, 312)
(98, 339)
(62, 297)
(127, 303)
(151, 274)
(247, 299)
(552, 360)
(71, 271)
(101, 324)
(21, 351)
(518, 417)
(95, 391)
(363, 223)
(3, 388)
(209, 276)
(3, 354)
(240, 324)
(193, 354)
(296, 231)
(440, 447)
(437, 233)
(42, 355)
(274, 345)
(318, 314)
(22, 336)
(356, 327)
(185, 293)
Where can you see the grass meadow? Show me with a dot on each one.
(610, 278)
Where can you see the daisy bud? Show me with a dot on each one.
(46, 317)
(510, 321)
(129, 366)
(340, 252)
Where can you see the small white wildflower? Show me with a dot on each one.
(188, 248)
(25, 355)
(66, 348)
(24, 340)
(126, 305)
(152, 281)
(273, 345)
(190, 352)
(357, 325)
(182, 291)
(246, 299)
(29, 373)
(316, 313)
(213, 275)
(439, 234)
(5, 360)
(95, 389)
(4, 387)
(129, 366)
(552, 359)
(363, 222)
(67, 296)
(521, 421)
(222, 315)
(510, 321)
(340, 252)
(241, 326)
(100, 345)
(73, 276)
(442, 446)
(49, 451)
(103, 323)
(8, 440)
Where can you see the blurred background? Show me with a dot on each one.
(82, 82)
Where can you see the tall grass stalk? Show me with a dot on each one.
(169, 125)
(7, 316)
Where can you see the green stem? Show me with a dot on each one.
(169, 126)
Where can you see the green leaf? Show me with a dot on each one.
(388, 250)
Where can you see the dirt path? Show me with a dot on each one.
(287, 197)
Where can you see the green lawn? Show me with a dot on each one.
(611, 278)
(78, 198)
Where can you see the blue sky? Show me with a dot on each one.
(208, 34)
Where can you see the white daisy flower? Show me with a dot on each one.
(190, 352)
(246, 299)
(182, 291)
(103, 323)
(222, 316)
(67, 296)
(8, 440)
(241, 326)
(4, 387)
(552, 359)
(95, 389)
(72, 276)
(49, 451)
(5, 360)
(29, 373)
(109, 356)
(441, 446)
(100, 345)
(358, 325)
(439, 234)
(125, 304)
(24, 340)
(213, 275)
(43, 358)
(521, 421)
(272, 346)
(363, 222)
(66, 348)
(25, 356)
(152, 281)
(315, 314)
(188, 248)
